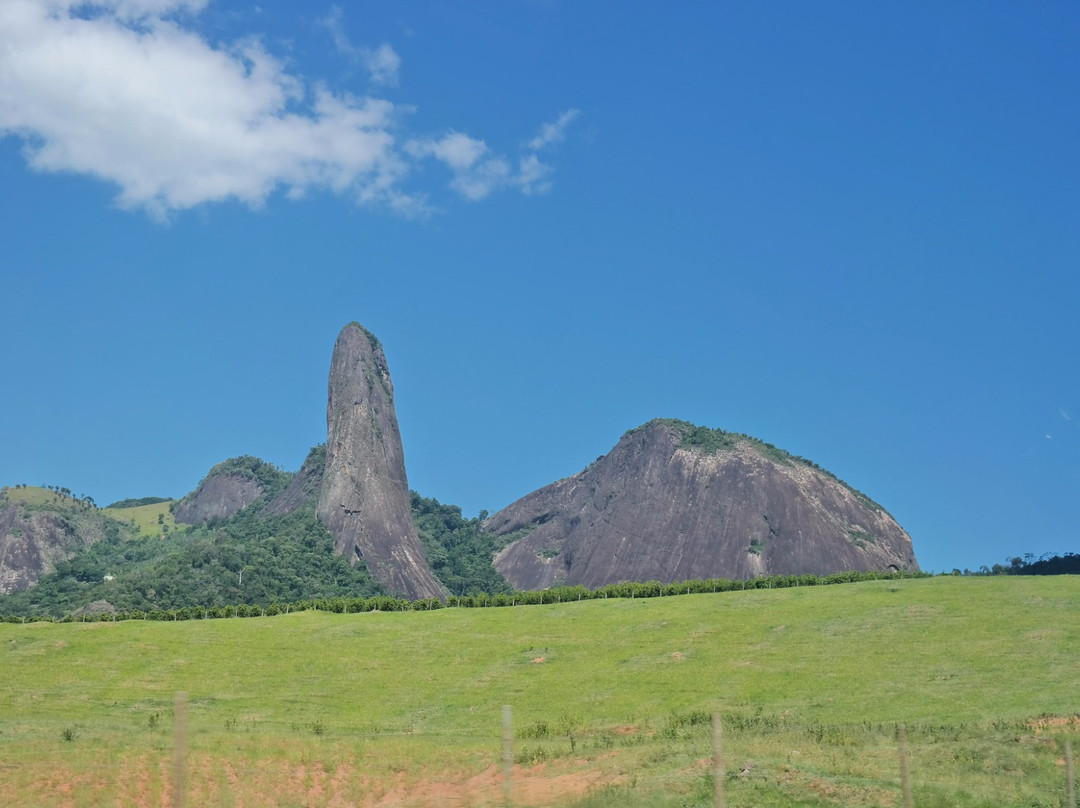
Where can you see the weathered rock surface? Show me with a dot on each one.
(34, 539)
(228, 488)
(364, 496)
(303, 486)
(658, 507)
(219, 496)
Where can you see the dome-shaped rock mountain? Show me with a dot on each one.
(674, 502)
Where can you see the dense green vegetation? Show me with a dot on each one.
(252, 558)
(460, 553)
(135, 503)
(1064, 564)
(1067, 564)
(701, 437)
(249, 559)
(611, 701)
(316, 457)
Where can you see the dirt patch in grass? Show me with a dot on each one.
(308, 783)
(1053, 722)
(534, 786)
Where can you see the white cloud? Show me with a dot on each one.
(334, 23)
(477, 171)
(383, 64)
(124, 91)
(553, 132)
(459, 152)
(532, 175)
(481, 180)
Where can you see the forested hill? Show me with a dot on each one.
(40, 526)
(253, 557)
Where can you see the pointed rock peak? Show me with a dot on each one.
(375, 344)
(364, 494)
(358, 351)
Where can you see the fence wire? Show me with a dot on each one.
(306, 763)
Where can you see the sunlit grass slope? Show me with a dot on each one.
(144, 517)
(31, 495)
(600, 685)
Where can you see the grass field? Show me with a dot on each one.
(610, 701)
(32, 495)
(145, 517)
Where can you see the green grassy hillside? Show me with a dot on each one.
(35, 495)
(30, 495)
(148, 520)
(610, 700)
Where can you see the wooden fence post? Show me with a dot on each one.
(508, 751)
(905, 772)
(1070, 777)
(718, 759)
(179, 749)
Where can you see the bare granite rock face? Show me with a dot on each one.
(228, 488)
(364, 495)
(674, 502)
(304, 485)
(34, 539)
(219, 496)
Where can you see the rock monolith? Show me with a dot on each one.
(364, 494)
(674, 502)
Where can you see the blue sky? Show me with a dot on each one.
(848, 229)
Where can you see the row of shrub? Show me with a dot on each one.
(657, 589)
(338, 605)
(557, 594)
